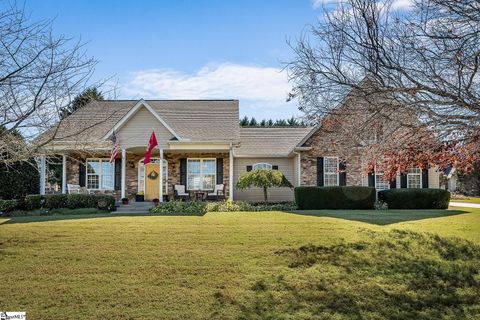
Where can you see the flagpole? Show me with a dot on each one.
(160, 189)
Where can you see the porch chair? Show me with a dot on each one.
(180, 193)
(218, 193)
(76, 189)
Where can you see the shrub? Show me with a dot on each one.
(33, 201)
(415, 198)
(100, 201)
(7, 205)
(351, 197)
(178, 207)
(55, 201)
(233, 206)
(18, 179)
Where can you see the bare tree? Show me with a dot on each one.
(40, 74)
(423, 62)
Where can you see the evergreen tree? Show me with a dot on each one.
(270, 122)
(281, 123)
(88, 95)
(263, 123)
(253, 122)
(292, 121)
(244, 121)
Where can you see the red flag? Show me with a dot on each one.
(151, 144)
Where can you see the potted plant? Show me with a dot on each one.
(155, 202)
(124, 200)
(139, 197)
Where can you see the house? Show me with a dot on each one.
(200, 145)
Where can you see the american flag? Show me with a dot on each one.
(114, 153)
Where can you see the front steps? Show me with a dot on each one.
(135, 207)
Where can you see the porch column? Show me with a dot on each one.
(160, 196)
(42, 168)
(124, 163)
(64, 174)
(230, 175)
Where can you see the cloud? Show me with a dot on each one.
(258, 88)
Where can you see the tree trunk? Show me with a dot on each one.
(265, 194)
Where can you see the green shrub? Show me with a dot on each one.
(178, 207)
(7, 205)
(415, 198)
(33, 201)
(235, 206)
(351, 197)
(55, 201)
(100, 201)
(105, 202)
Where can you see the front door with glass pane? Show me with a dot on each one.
(152, 180)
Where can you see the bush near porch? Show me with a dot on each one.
(70, 201)
(318, 198)
(415, 198)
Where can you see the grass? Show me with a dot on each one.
(466, 199)
(243, 266)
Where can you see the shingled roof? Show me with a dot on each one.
(195, 120)
(270, 141)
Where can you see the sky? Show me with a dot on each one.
(189, 49)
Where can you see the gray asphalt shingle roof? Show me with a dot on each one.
(270, 141)
(196, 120)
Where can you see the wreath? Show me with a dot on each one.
(153, 175)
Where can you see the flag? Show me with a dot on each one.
(151, 144)
(114, 153)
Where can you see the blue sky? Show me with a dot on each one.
(189, 49)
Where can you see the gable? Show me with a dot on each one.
(137, 129)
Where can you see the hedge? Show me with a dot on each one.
(351, 197)
(179, 207)
(71, 201)
(415, 198)
(235, 206)
(33, 202)
(7, 205)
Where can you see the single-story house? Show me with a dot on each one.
(201, 144)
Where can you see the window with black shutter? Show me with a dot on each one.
(219, 170)
(320, 171)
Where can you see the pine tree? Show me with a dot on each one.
(253, 122)
(244, 121)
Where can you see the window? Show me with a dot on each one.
(414, 178)
(262, 165)
(141, 175)
(380, 182)
(100, 174)
(330, 171)
(201, 174)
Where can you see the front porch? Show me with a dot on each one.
(127, 177)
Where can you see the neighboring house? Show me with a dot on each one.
(202, 145)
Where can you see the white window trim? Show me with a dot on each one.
(415, 174)
(338, 171)
(140, 165)
(201, 171)
(376, 174)
(262, 163)
(99, 174)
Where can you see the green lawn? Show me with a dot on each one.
(467, 199)
(324, 265)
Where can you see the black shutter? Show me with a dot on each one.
(393, 183)
(403, 180)
(274, 167)
(183, 172)
(342, 175)
(118, 174)
(219, 170)
(81, 174)
(371, 179)
(320, 171)
(249, 168)
(424, 178)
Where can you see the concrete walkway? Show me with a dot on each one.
(464, 204)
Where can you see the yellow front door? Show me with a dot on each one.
(152, 181)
